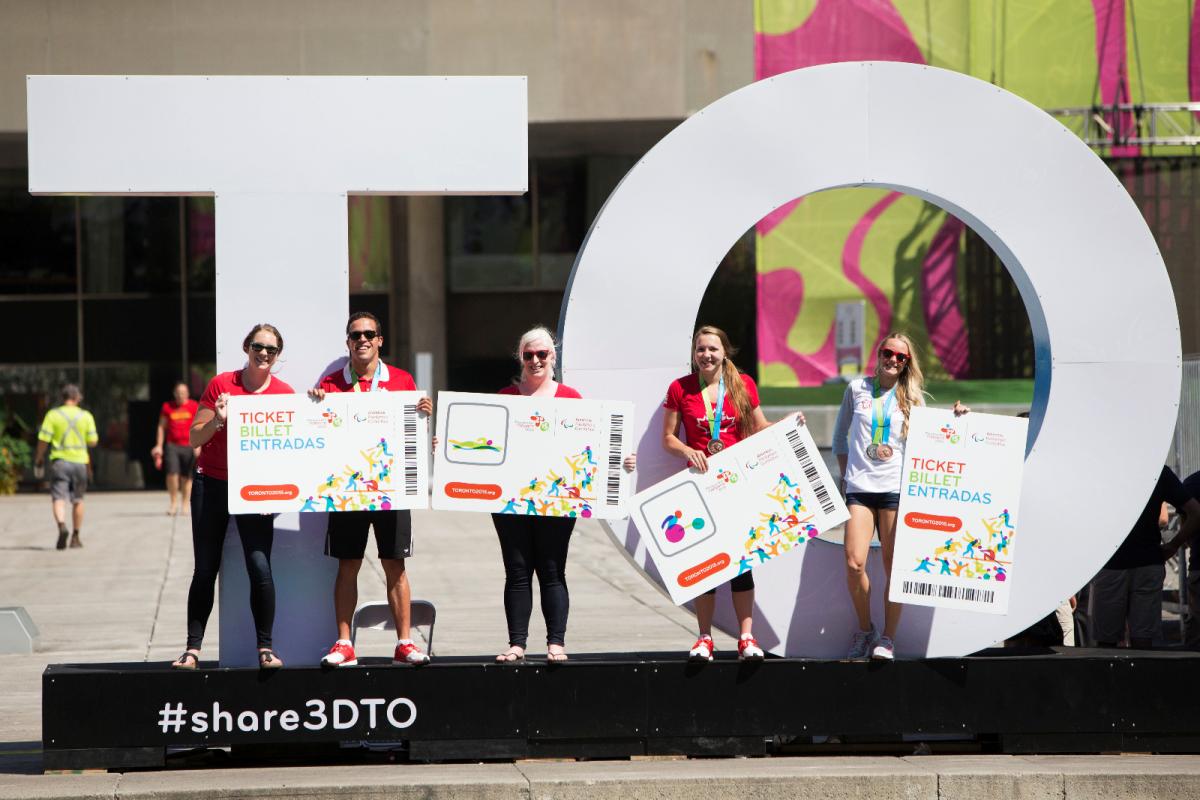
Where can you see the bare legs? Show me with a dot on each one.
(859, 530)
(743, 607)
(345, 594)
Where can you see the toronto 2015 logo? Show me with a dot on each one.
(675, 531)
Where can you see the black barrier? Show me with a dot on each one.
(122, 715)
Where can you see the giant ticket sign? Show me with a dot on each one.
(350, 452)
(766, 496)
(957, 524)
(537, 456)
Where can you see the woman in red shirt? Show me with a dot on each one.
(718, 407)
(535, 544)
(210, 502)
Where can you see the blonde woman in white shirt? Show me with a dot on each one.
(868, 441)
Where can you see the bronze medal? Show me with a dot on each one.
(883, 452)
(715, 446)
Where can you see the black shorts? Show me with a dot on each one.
(875, 500)
(742, 583)
(179, 459)
(346, 535)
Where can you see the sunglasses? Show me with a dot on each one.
(259, 347)
(886, 353)
(354, 336)
(541, 355)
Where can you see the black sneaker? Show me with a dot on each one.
(62, 540)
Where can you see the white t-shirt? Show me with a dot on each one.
(852, 435)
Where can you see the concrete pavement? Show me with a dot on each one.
(122, 598)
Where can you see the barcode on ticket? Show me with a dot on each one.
(810, 471)
(616, 433)
(946, 592)
(410, 450)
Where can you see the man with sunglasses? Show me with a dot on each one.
(346, 535)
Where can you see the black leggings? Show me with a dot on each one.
(210, 520)
(531, 544)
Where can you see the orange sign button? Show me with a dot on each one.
(279, 491)
(694, 575)
(473, 491)
(932, 522)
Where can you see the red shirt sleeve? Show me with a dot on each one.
(510, 389)
(751, 390)
(214, 390)
(402, 381)
(567, 392)
(674, 399)
(165, 411)
(328, 384)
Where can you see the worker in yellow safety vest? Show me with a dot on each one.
(67, 432)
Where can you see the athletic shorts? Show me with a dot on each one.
(179, 459)
(346, 535)
(68, 480)
(875, 500)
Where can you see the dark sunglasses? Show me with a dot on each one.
(259, 347)
(354, 336)
(542, 355)
(886, 353)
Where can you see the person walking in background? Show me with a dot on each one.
(346, 531)
(1127, 593)
(67, 432)
(178, 457)
(210, 502)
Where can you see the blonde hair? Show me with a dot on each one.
(536, 334)
(733, 379)
(910, 385)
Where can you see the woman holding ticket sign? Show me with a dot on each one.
(536, 544)
(868, 440)
(210, 502)
(718, 407)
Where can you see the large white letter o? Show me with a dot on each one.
(1097, 293)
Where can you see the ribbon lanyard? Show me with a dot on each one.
(881, 414)
(374, 378)
(714, 427)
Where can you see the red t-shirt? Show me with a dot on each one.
(562, 390)
(394, 379)
(213, 460)
(683, 395)
(179, 420)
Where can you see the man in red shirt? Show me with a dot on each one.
(179, 458)
(346, 536)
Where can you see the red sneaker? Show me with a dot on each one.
(340, 655)
(409, 654)
(702, 650)
(748, 649)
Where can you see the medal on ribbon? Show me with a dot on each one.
(881, 424)
(715, 445)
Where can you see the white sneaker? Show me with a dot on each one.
(885, 649)
(861, 644)
(702, 650)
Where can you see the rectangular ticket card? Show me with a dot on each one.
(539, 456)
(353, 451)
(762, 498)
(957, 524)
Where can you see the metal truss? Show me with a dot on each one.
(1133, 125)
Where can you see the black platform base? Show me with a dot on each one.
(615, 706)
